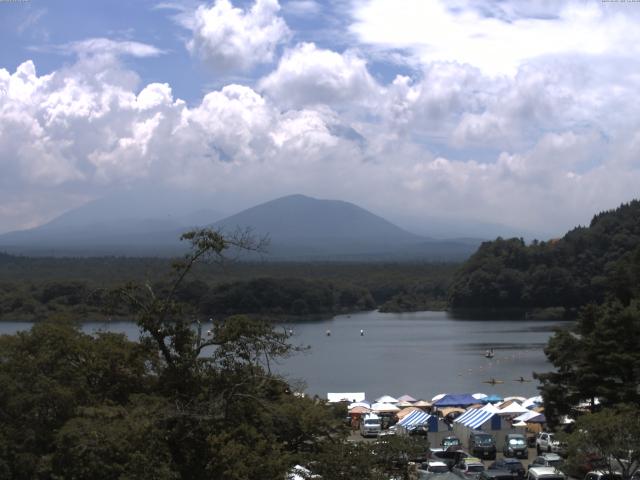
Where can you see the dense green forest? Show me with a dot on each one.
(555, 277)
(170, 406)
(32, 288)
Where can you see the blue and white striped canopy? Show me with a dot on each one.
(415, 418)
(475, 417)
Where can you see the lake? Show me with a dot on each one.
(422, 353)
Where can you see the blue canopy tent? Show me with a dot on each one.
(492, 399)
(456, 400)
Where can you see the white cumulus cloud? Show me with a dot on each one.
(308, 75)
(491, 35)
(228, 38)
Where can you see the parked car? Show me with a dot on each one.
(546, 442)
(515, 445)
(545, 473)
(451, 442)
(420, 430)
(495, 474)
(513, 466)
(436, 467)
(370, 426)
(547, 460)
(469, 468)
(482, 445)
(451, 456)
(602, 475)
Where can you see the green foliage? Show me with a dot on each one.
(48, 373)
(382, 459)
(272, 296)
(599, 358)
(34, 288)
(611, 437)
(584, 266)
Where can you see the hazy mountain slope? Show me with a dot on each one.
(132, 222)
(307, 228)
(300, 228)
(300, 217)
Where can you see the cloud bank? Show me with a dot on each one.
(540, 142)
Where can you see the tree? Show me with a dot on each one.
(598, 359)
(50, 373)
(612, 436)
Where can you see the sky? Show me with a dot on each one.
(518, 113)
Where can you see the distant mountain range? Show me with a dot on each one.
(299, 228)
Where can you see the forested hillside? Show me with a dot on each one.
(584, 266)
(33, 288)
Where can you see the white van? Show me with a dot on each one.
(370, 425)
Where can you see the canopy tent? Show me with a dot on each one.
(414, 419)
(359, 410)
(422, 404)
(476, 417)
(517, 399)
(404, 404)
(406, 411)
(526, 416)
(386, 399)
(513, 409)
(540, 418)
(438, 397)
(532, 402)
(406, 398)
(520, 424)
(358, 404)
(493, 398)
(345, 397)
(479, 396)
(456, 400)
(384, 407)
(449, 410)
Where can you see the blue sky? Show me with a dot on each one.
(513, 112)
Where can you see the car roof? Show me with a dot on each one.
(551, 456)
(511, 460)
(437, 463)
(545, 470)
(470, 460)
(494, 472)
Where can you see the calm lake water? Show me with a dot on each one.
(422, 354)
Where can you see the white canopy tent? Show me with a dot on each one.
(526, 416)
(381, 407)
(513, 409)
(532, 402)
(386, 399)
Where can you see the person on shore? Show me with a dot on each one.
(361, 332)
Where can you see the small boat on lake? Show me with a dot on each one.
(493, 381)
(489, 353)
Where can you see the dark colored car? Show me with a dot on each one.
(513, 466)
(495, 474)
(482, 445)
(515, 445)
